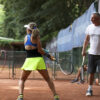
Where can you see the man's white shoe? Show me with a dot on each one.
(89, 93)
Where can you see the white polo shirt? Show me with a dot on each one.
(94, 33)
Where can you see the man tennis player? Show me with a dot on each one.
(92, 36)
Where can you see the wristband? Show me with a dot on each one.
(48, 55)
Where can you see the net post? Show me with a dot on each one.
(9, 69)
(12, 64)
(54, 69)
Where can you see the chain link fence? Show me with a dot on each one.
(11, 62)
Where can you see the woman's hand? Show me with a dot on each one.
(52, 58)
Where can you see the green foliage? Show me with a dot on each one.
(50, 15)
(8, 42)
(4, 43)
(2, 17)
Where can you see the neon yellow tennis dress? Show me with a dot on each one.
(34, 60)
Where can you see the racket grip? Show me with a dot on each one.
(83, 58)
(48, 55)
(45, 50)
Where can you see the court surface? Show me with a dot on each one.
(38, 90)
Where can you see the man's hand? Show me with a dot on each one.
(83, 53)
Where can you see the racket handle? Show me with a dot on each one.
(48, 55)
(83, 60)
(45, 50)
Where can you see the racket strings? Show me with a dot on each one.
(65, 66)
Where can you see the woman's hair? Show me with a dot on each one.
(34, 29)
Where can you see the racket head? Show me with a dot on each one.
(66, 67)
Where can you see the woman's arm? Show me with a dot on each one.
(39, 46)
(25, 39)
(41, 51)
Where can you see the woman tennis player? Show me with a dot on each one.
(34, 59)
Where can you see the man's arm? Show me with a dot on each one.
(85, 44)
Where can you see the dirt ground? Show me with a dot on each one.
(38, 90)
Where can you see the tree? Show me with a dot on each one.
(50, 15)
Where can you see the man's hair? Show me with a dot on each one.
(97, 14)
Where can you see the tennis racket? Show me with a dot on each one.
(65, 66)
(82, 69)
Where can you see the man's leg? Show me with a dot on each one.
(89, 90)
(92, 59)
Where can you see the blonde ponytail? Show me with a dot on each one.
(34, 29)
(35, 33)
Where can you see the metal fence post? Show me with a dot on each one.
(54, 68)
(13, 65)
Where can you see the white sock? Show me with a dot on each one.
(90, 87)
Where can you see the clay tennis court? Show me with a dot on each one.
(37, 89)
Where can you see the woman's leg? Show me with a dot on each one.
(45, 75)
(24, 76)
(79, 72)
